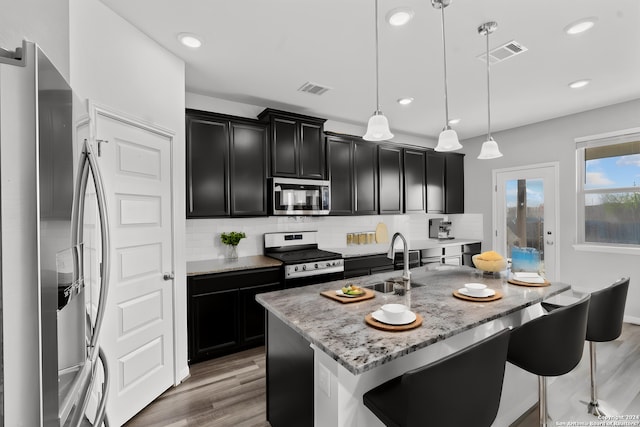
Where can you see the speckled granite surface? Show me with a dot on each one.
(195, 268)
(341, 332)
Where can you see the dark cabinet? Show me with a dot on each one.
(353, 172)
(390, 175)
(365, 173)
(226, 166)
(435, 182)
(414, 180)
(223, 315)
(297, 144)
(454, 181)
(445, 183)
(340, 174)
(366, 265)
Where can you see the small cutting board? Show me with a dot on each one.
(368, 294)
(382, 234)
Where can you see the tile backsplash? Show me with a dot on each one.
(203, 235)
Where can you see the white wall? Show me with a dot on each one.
(552, 141)
(115, 65)
(45, 23)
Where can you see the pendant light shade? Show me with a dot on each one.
(489, 148)
(378, 126)
(448, 139)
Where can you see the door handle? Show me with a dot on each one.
(168, 276)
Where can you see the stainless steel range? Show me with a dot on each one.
(304, 263)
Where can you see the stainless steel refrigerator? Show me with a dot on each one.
(72, 239)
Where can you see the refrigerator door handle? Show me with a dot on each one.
(106, 245)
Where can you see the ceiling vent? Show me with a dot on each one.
(313, 88)
(506, 51)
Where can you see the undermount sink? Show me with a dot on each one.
(386, 287)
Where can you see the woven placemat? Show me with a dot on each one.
(533, 285)
(392, 328)
(493, 297)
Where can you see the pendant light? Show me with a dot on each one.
(489, 148)
(448, 139)
(378, 126)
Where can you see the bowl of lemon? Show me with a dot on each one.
(490, 262)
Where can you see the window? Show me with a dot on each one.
(608, 169)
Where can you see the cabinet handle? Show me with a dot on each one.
(168, 276)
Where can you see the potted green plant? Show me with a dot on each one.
(232, 239)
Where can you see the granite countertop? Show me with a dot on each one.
(221, 265)
(341, 332)
(382, 248)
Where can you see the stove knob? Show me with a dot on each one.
(328, 264)
(296, 269)
(315, 266)
(304, 267)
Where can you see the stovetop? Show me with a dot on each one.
(303, 255)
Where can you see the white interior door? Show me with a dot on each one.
(137, 336)
(525, 213)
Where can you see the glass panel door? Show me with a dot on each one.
(525, 218)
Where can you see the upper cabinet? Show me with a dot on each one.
(297, 144)
(391, 179)
(414, 180)
(445, 182)
(226, 166)
(352, 169)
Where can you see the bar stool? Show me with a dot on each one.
(550, 345)
(606, 312)
(431, 394)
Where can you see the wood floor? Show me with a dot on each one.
(230, 391)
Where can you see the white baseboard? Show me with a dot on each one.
(632, 319)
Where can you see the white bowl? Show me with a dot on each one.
(475, 289)
(394, 312)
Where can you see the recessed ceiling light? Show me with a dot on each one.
(580, 26)
(454, 121)
(579, 83)
(190, 40)
(399, 16)
(405, 101)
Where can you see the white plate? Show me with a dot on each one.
(484, 294)
(342, 294)
(407, 317)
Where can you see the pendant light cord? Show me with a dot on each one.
(377, 66)
(488, 92)
(444, 55)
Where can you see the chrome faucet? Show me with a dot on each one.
(405, 273)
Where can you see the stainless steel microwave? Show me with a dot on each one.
(294, 196)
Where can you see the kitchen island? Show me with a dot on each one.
(322, 356)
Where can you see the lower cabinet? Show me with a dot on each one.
(366, 265)
(223, 315)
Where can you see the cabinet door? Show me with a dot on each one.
(311, 151)
(253, 328)
(284, 147)
(213, 324)
(454, 179)
(390, 175)
(414, 181)
(435, 182)
(248, 174)
(365, 172)
(340, 174)
(207, 168)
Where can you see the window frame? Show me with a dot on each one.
(599, 140)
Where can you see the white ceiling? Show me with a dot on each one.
(261, 51)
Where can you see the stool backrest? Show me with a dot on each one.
(463, 389)
(606, 311)
(552, 344)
